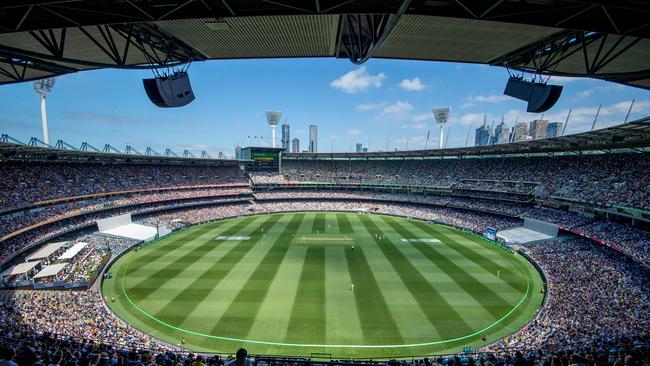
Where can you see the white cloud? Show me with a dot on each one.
(357, 81)
(369, 106)
(397, 111)
(412, 85)
(354, 132)
(422, 117)
(589, 92)
(480, 99)
(562, 80)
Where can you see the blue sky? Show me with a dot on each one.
(383, 102)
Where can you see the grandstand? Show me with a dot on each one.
(534, 253)
(325, 183)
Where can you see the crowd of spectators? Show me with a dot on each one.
(597, 298)
(598, 179)
(67, 314)
(15, 244)
(21, 219)
(474, 221)
(33, 182)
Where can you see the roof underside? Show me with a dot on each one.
(601, 39)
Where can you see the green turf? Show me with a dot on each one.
(288, 289)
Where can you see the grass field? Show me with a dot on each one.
(282, 284)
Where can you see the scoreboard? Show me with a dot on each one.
(262, 158)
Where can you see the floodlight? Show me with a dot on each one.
(42, 87)
(442, 115)
(273, 118)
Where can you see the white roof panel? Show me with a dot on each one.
(19, 269)
(46, 251)
(50, 270)
(73, 251)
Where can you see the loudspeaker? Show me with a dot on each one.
(169, 91)
(540, 97)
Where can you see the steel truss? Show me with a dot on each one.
(597, 50)
(157, 49)
(124, 29)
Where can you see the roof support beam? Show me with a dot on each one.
(361, 35)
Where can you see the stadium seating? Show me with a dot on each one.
(599, 179)
(598, 307)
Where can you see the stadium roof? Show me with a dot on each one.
(606, 39)
(46, 251)
(22, 152)
(19, 269)
(51, 270)
(633, 135)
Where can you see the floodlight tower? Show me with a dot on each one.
(42, 87)
(273, 117)
(441, 115)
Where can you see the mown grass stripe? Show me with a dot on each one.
(239, 317)
(371, 304)
(307, 322)
(482, 294)
(319, 223)
(344, 224)
(442, 315)
(177, 310)
(166, 246)
(158, 279)
(332, 223)
(508, 275)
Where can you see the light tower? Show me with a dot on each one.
(42, 87)
(441, 115)
(273, 117)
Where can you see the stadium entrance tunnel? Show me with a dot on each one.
(350, 285)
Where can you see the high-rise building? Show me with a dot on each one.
(295, 145)
(221, 155)
(286, 138)
(313, 138)
(359, 147)
(238, 152)
(538, 128)
(501, 134)
(365, 149)
(554, 129)
(520, 131)
(482, 136)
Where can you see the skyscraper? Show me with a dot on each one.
(554, 129)
(238, 152)
(520, 131)
(286, 138)
(482, 136)
(538, 128)
(295, 145)
(359, 147)
(501, 133)
(313, 138)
